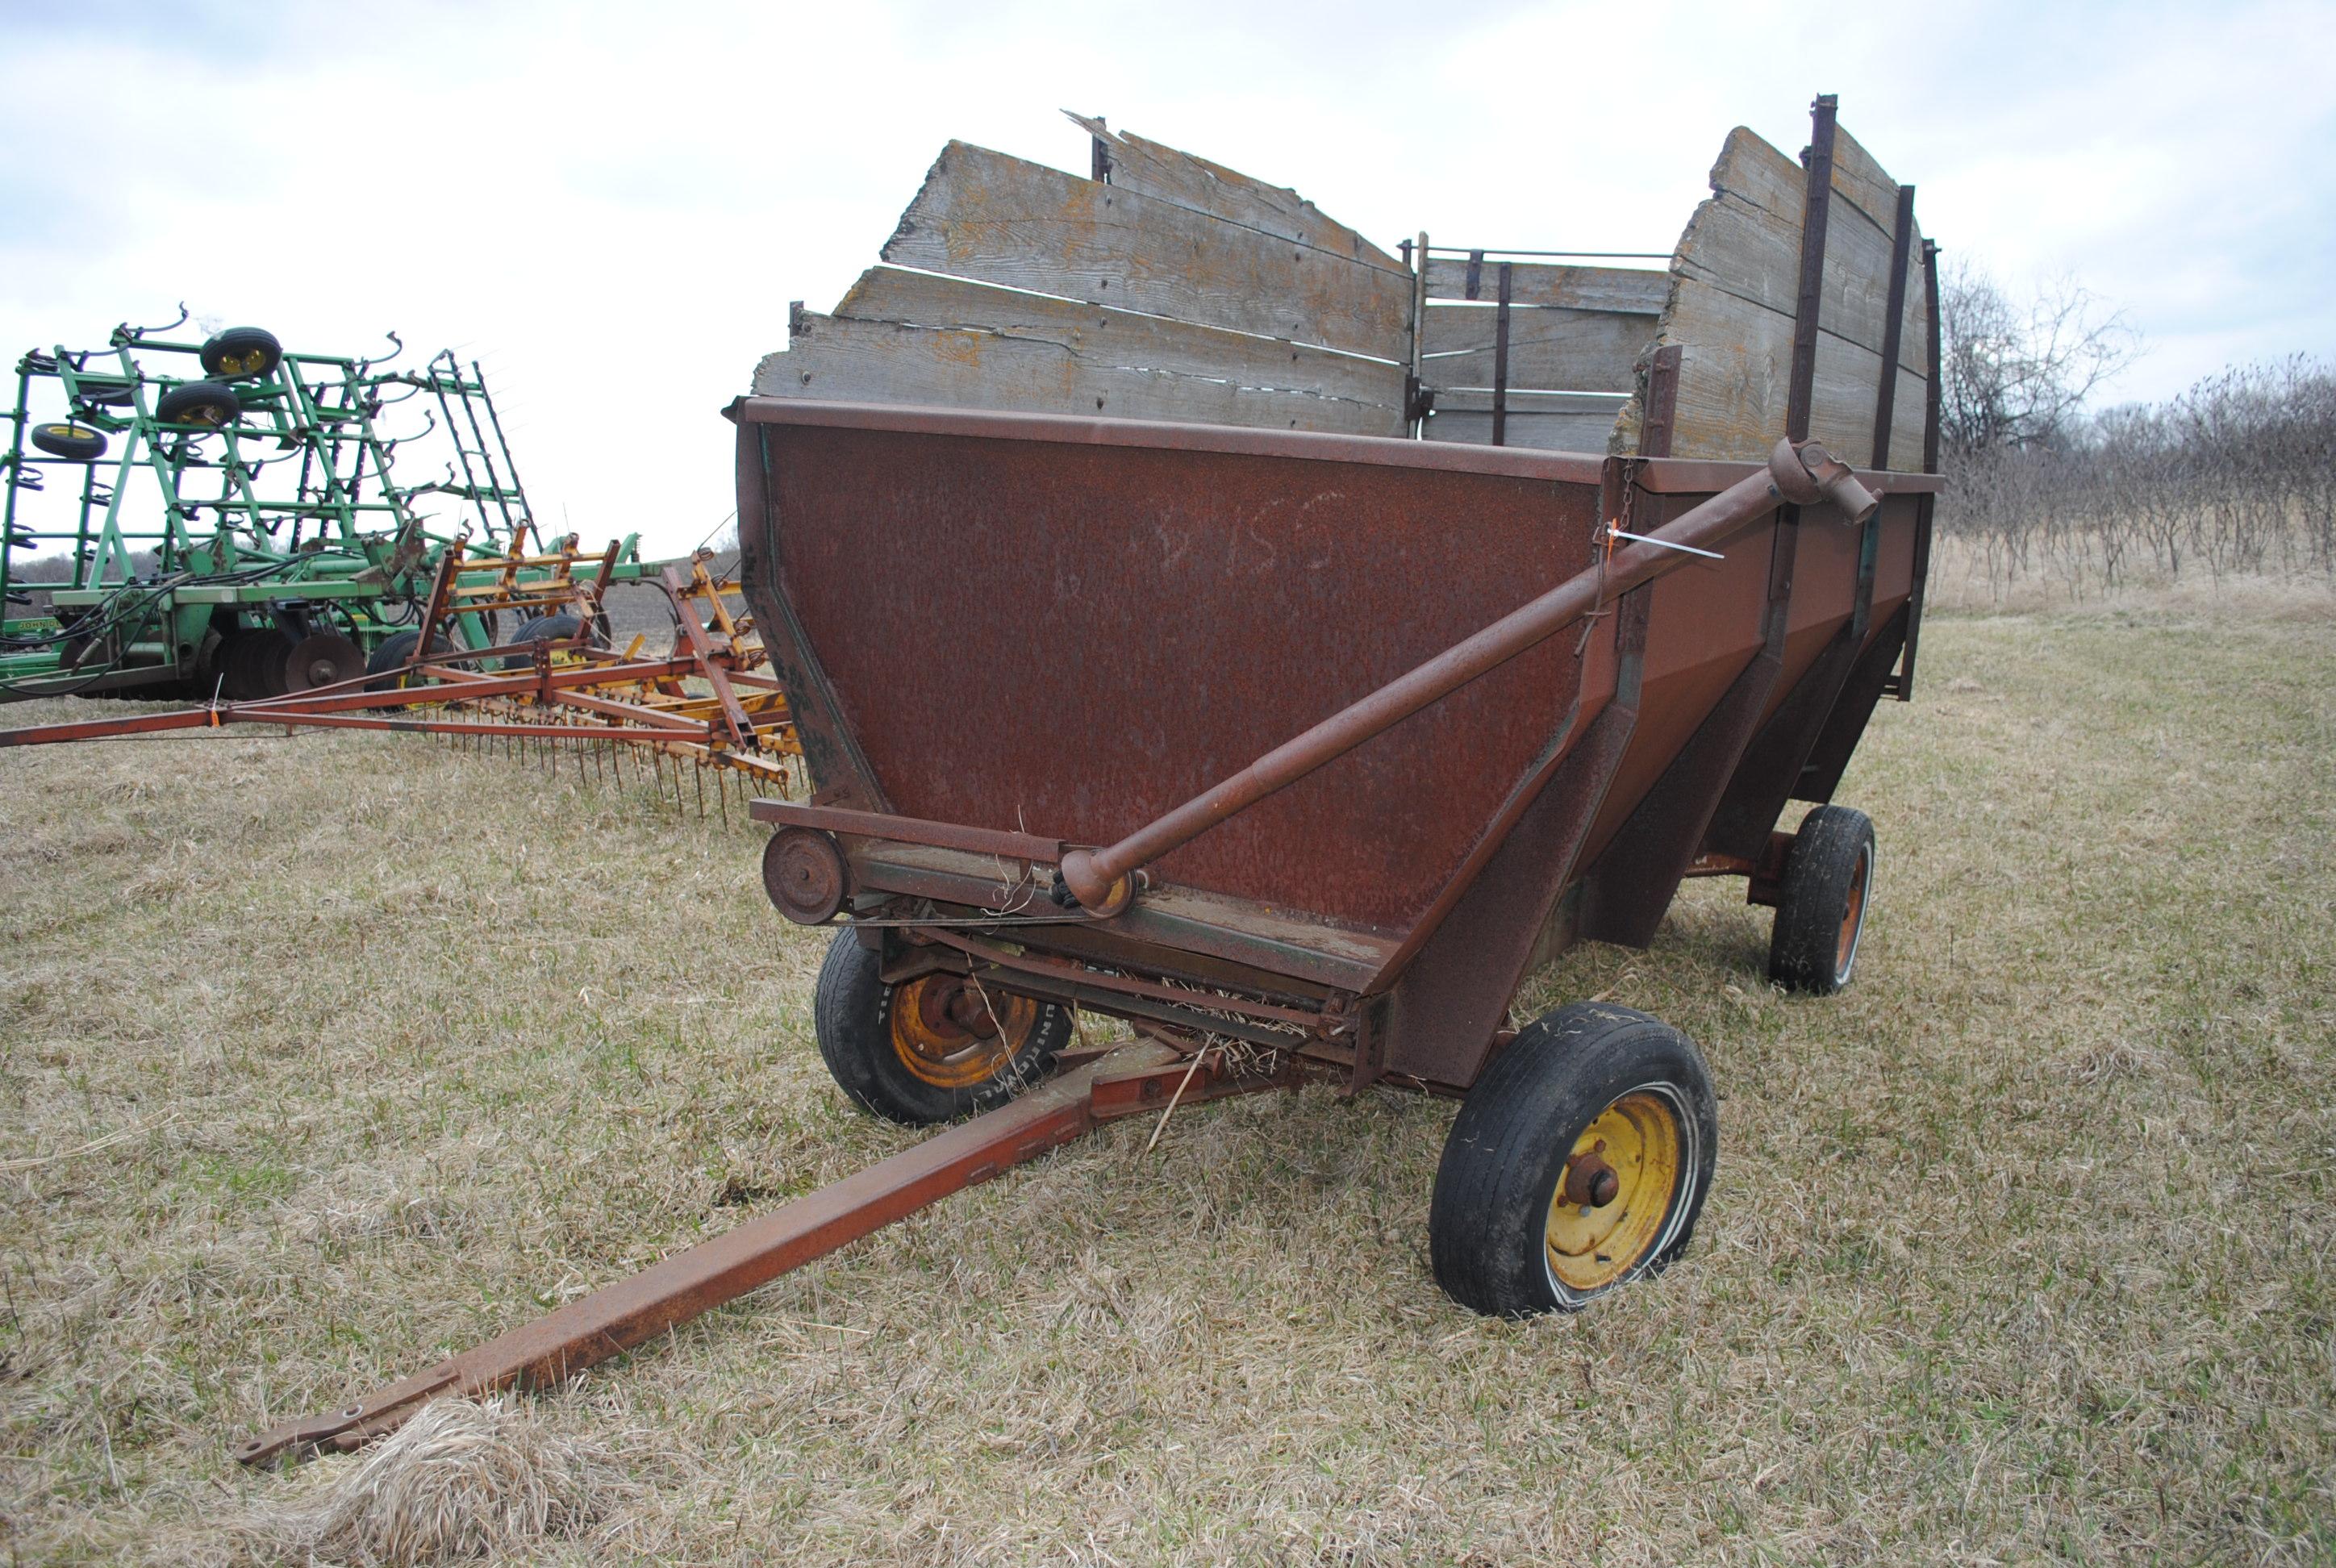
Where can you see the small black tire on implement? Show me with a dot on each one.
(887, 1046)
(209, 404)
(1821, 908)
(241, 354)
(392, 653)
(1578, 1163)
(554, 628)
(62, 438)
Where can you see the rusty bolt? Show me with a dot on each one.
(1589, 1179)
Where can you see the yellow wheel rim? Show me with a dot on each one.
(948, 1034)
(1638, 1141)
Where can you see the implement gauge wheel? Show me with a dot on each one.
(208, 404)
(242, 354)
(1578, 1163)
(929, 1049)
(391, 654)
(1821, 908)
(66, 439)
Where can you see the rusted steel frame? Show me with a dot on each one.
(1085, 989)
(1093, 876)
(1064, 969)
(310, 705)
(1170, 435)
(632, 712)
(1764, 873)
(685, 616)
(1500, 361)
(1147, 1090)
(529, 729)
(441, 588)
(616, 1318)
(909, 829)
(1885, 401)
(1816, 208)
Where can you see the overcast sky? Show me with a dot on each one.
(611, 206)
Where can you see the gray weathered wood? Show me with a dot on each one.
(1746, 239)
(1539, 420)
(999, 220)
(1152, 169)
(1549, 346)
(1735, 373)
(1731, 304)
(1538, 283)
(912, 338)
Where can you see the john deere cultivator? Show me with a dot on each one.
(281, 573)
(277, 550)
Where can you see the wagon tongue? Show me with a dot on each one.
(547, 1352)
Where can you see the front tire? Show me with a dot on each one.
(1579, 1163)
(1821, 908)
(932, 1048)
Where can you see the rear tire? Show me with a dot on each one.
(1583, 1083)
(906, 1053)
(1821, 908)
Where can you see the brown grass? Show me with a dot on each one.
(2020, 1250)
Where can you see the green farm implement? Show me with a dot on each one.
(223, 518)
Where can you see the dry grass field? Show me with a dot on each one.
(322, 1055)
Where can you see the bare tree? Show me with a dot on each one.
(2018, 375)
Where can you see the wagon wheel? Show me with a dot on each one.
(1821, 908)
(1579, 1163)
(932, 1048)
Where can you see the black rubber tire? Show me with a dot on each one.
(1828, 887)
(391, 653)
(107, 393)
(1509, 1147)
(241, 354)
(62, 438)
(852, 1016)
(208, 404)
(553, 629)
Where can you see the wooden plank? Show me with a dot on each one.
(1857, 177)
(999, 220)
(1549, 346)
(1734, 374)
(1154, 169)
(1746, 239)
(911, 337)
(1541, 430)
(1638, 288)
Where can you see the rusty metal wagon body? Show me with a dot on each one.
(1010, 635)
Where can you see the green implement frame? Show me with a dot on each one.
(233, 517)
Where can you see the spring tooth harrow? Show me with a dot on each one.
(709, 700)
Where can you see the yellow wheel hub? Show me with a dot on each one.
(951, 1035)
(1614, 1193)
